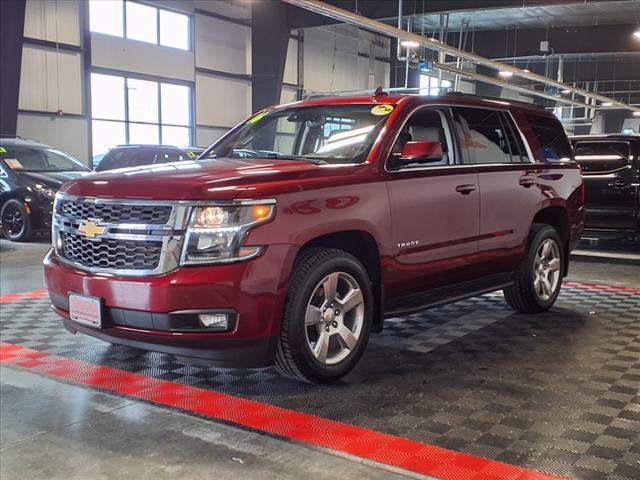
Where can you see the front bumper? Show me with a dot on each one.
(254, 289)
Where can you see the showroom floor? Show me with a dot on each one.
(517, 394)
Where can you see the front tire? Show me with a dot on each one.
(327, 317)
(538, 278)
(15, 221)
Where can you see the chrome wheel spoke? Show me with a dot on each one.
(347, 338)
(330, 286)
(351, 300)
(314, 315)
(546, 286)
(321, 348)
(554, 265)
(546, 249)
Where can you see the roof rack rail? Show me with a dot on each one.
(9, 135)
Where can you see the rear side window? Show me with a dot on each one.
(602, 156)
(551, 136)
(488, 136)
(166, 156)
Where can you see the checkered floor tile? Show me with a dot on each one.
(557, 392)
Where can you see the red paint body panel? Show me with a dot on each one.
(428, 233)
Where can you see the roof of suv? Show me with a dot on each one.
(610, 136)
(449, 98)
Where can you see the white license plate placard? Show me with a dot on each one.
(86, 310)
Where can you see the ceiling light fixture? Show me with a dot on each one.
(409, 44)
(636, 34)
(607, 104)
(505, 73)
(636, 114)
(565, 91)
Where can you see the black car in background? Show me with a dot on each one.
(30, 175)
(137, 155)
(611, 169)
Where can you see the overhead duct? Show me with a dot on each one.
(346, 16)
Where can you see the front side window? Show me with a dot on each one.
(602, 156)
(551, 137)
(487, 136)
(428, 125)
(336, 134)
(35, 159)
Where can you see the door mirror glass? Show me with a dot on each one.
(421, 151)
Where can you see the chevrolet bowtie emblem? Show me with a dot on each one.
(90, 228)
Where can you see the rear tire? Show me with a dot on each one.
(15, 221)
(327, 318)
(538, 278)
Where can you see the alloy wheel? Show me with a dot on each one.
(334, 318)
(12, 221)
(546, 270)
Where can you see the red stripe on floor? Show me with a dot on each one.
(380, 447)
(605, 288)
(12, 297)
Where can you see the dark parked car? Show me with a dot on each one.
(611, 169)
(30, 175)
(138, 155)
(293, 236)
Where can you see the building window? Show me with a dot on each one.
(429, 85)
(137, 21)
(131, 110)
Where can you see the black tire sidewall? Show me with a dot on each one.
(543, 234)
(26, 228)
(300, 349)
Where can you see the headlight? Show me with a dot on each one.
(215, 233)
(44, 191)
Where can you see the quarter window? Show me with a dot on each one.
(551, 137)
(487, 136)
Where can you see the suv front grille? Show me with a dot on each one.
(119, 236)
(111, 253)
(116, 213)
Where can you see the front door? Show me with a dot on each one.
(434, 210)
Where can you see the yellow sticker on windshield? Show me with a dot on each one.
(382, 109)
(257, 117)
(3, 150)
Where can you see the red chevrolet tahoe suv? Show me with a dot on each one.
(292, 237)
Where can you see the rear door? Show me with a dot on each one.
(507, 183)
(434, 210)
(611, 183)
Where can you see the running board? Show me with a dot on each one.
(449, 294)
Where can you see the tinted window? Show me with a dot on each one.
(486, 136)
(552, 137)
(166, 156)
(142, 157)
(114, 159)
(602, 156)
(424, 125)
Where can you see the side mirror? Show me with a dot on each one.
(421, 151)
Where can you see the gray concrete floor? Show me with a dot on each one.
(53, 430)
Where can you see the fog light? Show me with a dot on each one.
(215, 321)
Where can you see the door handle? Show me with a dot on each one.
(527, 182)
(465, 189)
(618, 184)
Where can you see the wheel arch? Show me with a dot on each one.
(557, 217)
(363, 246)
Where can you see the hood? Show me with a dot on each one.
(215, 179)
(50, 179)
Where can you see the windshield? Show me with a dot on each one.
(322, 134)
(37, 159)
